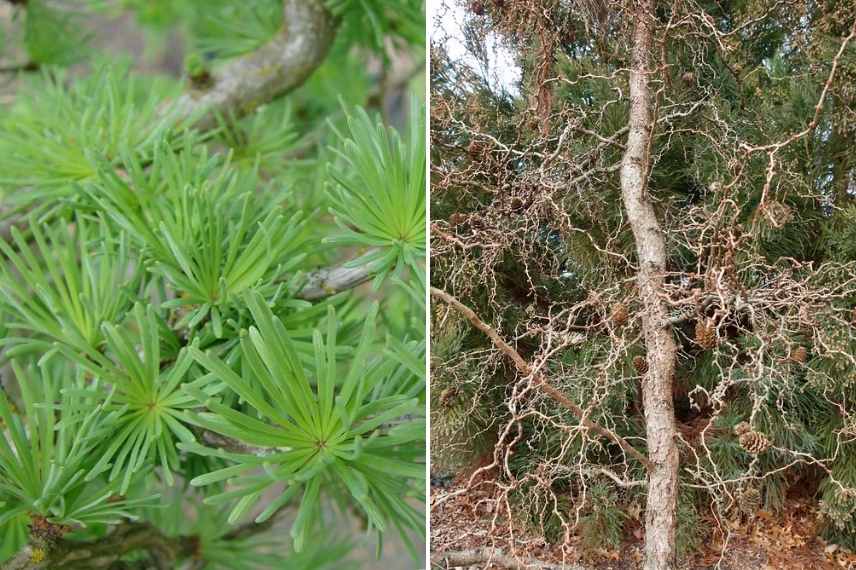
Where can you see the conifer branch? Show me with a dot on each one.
(273, 70)
(541, 381)
(106, 552)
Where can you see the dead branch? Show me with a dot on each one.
(482, 557)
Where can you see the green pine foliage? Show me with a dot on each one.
(166, 373)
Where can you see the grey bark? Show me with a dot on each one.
(276, 68)
(660, 516)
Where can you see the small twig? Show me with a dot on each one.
(623, 483)
(329, 281)
(542, 382)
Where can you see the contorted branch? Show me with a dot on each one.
(276, 68)
(541, 381)
(494, 556)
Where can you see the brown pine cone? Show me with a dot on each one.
(705, 334)
(742, 427)
(475, 149)
(749, 501)
(640, 364)
(457, 219)
(754, 442)
(619, 314)
(448, 396)
(799, 355)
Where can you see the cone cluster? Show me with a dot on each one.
(475, 149)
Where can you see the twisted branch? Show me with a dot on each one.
(541, 381)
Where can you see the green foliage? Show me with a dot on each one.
(380, 198)
(210, 241)
(224, 29)
(147, 398)
(57, 133)
(318, 429)
(48, 466)
(603, 520)
(64, 289)
(263, 138)
(368, 22)
(223, 552)
(53, 35)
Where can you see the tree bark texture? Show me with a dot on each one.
(660, 517)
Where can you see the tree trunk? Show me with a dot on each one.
(660, 517)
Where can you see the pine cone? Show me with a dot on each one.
(448, 396)
(705, 334)
(475, 149)
(749, 501)
(853, 317)
(619, 314)
(754, 442)
(778, 213)
(742, 427)
(799, 355)
(457, 219)
(640, 364)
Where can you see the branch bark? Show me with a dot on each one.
(541, 381)
(164, 551)
(105, 552)
(660, 517)
(273, 70)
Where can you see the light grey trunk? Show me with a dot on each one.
(660, 516)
